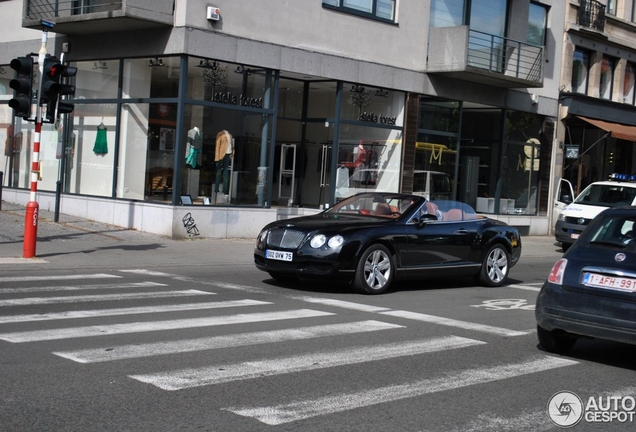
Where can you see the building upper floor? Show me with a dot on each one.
(503, 43)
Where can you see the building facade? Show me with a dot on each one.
(597, 119)
(196, 120)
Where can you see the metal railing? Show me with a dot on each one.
(46, 9)
(592, 15)
(506, 56)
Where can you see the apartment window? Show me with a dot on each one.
(381, 9)
(447, 13)
(628, 85)
(580, 71)
(537, 23)
(611, 6)
(607, 78)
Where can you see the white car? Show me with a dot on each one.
(619, 190)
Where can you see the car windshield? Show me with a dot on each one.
(384, 205)
(618, 230)
(608, 195)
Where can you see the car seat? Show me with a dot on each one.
(453, 215)
(382, 209)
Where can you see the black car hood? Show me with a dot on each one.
(326, 220)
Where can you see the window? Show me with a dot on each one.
(611, 6)
(580, 71)
(382, 9)
(537, 22)
(628, 85)
(447, 13)
(607, 78)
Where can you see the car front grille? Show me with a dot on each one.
(285, 238)
(577, 220)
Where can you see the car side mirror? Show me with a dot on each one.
(566, 199)
(425, 219)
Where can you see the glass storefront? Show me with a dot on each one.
(183, 129)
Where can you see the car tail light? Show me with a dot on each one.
(556, 274)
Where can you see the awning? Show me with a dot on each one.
(617, 130)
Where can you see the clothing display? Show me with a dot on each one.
(194, 148)
(222, 156)
(101, 143)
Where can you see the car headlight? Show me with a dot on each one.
(335, 241)
(260, 240)
(561, 217)
(317, 241)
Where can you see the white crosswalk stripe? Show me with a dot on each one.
(217, 342)
(57, 278)
(285, 413)
(138, 327)
(81, 287)
(104, 297)
(215, 374)
(129, 311)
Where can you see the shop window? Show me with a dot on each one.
(628, 85)
(151, 77)
(607, 78)
(97, 79)
(372, 105)
(580, 71)
(378, 9)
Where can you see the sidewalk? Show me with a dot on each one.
(73, 242)
(79, 243)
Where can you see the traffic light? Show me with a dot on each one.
(53, 88)
(23, 86)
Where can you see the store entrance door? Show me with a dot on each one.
(317, 166)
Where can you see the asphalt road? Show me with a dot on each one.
(121, 331)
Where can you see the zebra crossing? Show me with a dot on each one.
(300, 324)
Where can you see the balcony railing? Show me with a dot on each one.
(592, 15)
(506, 56)
(47, 9)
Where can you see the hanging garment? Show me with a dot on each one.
(101, 143)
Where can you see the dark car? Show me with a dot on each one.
(591, 291)
(372, 239)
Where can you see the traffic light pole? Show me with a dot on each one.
(32, 208)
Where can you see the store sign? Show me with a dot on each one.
(231, 99)
(374, 118)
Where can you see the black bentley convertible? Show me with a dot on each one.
(372, 239)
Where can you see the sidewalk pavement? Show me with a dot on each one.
(74, 242)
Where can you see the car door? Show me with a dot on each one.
(440, 243)
(564, 196)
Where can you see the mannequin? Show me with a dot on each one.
(222, 156)
(194, 148)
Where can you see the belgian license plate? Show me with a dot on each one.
(278, 255)
(575, 236)
(612, 282)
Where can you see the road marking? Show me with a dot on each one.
(454, 323)
(57, 278)
(148, 272)
(525, 287)
(81, 287)
(138, 327)
(221, 373)
(217, 342)
(12, 260)
(104, 297)
(129, 311)
(286, 413)
(341, 303)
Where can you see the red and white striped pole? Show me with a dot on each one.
(32, 207)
